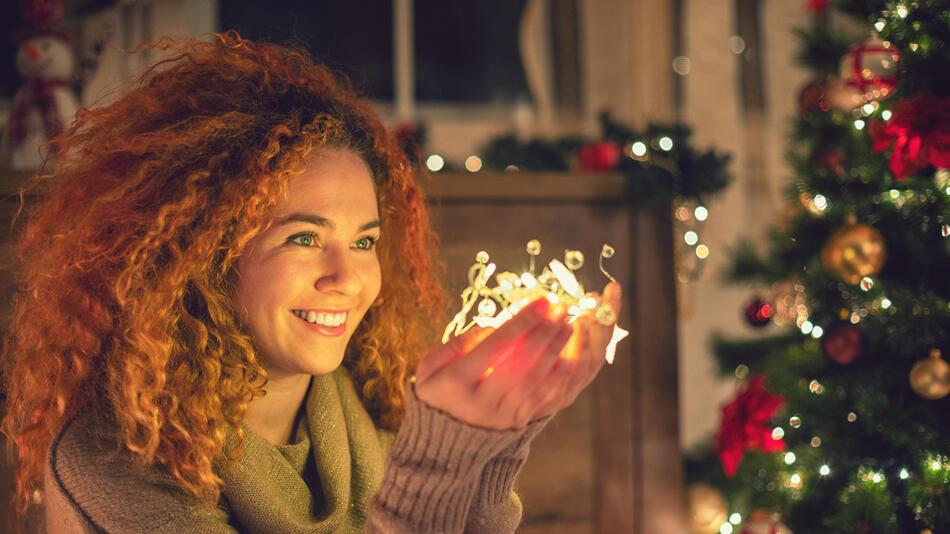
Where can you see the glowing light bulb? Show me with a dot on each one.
(701, 213)
(638, 149)
(435, 163)
(824, 470)
(789, 458)
(666, 144)
(473, 164)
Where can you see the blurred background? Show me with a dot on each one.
(659, 127)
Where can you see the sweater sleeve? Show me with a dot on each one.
(496, 508)
(90, 487)
(434, 472)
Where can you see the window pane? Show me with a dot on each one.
(468, 51)
(352, 37)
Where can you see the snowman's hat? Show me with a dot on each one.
(42, 18)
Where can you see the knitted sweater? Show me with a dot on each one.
(344, 475)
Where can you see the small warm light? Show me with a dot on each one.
(638, 149)
(435, 163)
(855, 318)
(702, 252)
(867, 108)
(879, 25)
(885, 303)
(852, 417)
(815, 387)
(725, 528)
(742, 371)
(691, 238)
(682, 214)
(945, 230)
(824, 470)
(859, 124)
(795, 481)
(901, 11)
(473, 164)
(894, 194)
(815, 441)
(877, 478)
(935, 465)
(681, 65)
(867, 283)
(701, 213)
(886, 114)
(904, 474)
(817, 332)
(666, 143)
(914, 46)
(807, 327)
(735, 518)
(528, 280)
(511, 168)
(778, 433)
(737, 44)
(789, 458)
(795, 421)
(820, 202)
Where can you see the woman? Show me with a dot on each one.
(228, 286)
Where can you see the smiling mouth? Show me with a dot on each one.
(324, 322)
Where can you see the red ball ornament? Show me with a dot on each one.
(758, 313)
(602, 156)
(871, 67)
(813, 96)
(842, 342)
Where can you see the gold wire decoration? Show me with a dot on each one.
(495, 305)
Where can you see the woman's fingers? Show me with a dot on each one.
(502, 341)
(519, 374)
(443, 355)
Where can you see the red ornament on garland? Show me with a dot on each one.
(813, 96)
(758, 313)
(871, 67)
(745, 425)
(601, 156)
(815, 5)
(842, 342)
(918, 134)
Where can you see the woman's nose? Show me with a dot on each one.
(339, 274)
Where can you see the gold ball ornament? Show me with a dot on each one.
(707, 509)
(930, 377)
(853, 252)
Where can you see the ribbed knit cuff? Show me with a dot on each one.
(434, 468)
(498, 476)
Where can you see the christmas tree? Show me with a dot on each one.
(841, 422)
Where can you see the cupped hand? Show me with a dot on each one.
(525, 370)
(482, 376)
(581, 360)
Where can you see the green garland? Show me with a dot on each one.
(657, 173)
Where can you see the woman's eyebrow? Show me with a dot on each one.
(317, 220)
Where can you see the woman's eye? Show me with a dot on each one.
(366, 243)
(304, 240)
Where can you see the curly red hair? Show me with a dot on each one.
(124, 303)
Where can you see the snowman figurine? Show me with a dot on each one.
(45, 105)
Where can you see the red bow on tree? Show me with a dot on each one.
(745, 425)
(919, 132)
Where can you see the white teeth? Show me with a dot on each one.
(325, 319)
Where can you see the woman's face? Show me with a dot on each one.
(307, 281)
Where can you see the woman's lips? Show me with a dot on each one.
(331, 331)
